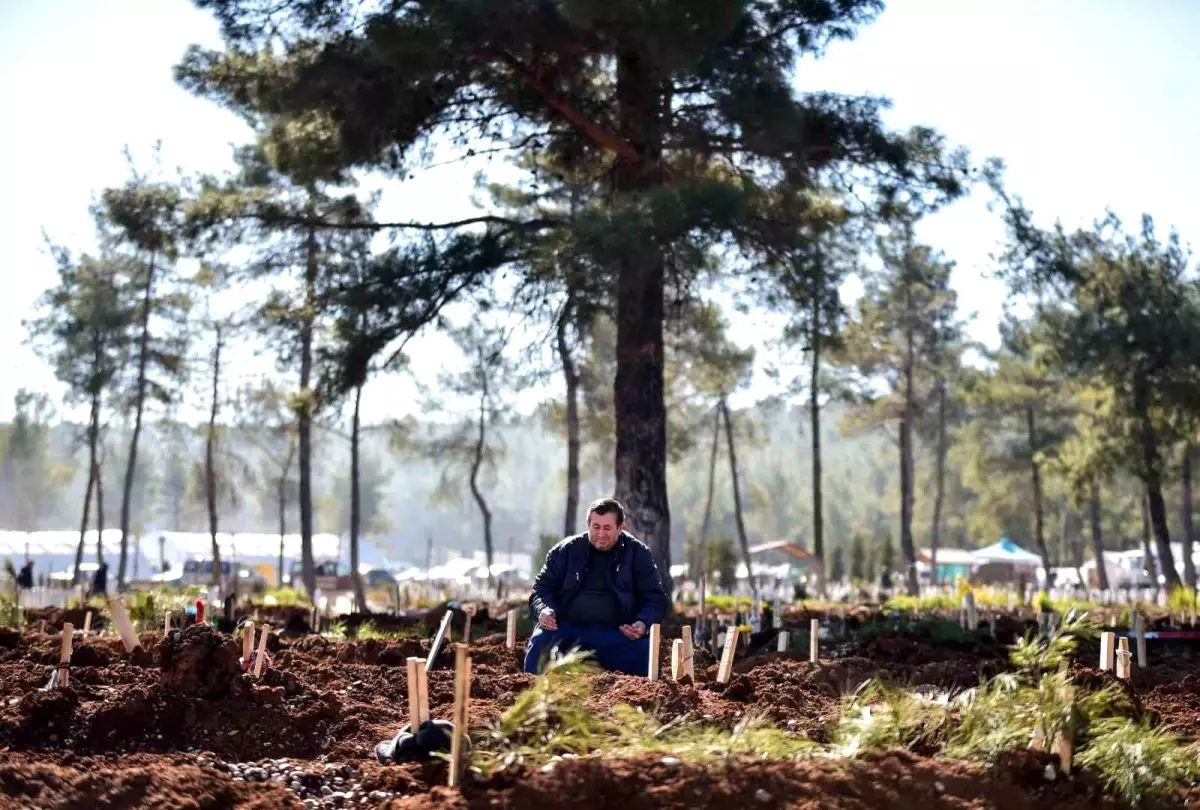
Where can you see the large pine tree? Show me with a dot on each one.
(687, 104)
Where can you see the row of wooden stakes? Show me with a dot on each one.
(129, 638)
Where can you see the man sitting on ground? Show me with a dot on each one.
(598, 591)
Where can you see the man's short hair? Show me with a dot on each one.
(608, 506)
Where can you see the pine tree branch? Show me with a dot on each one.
(600, 136)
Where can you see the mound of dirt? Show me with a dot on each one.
(1177, 705)
(893, 781)
(128, 782)
(9, 638)
(201, 662)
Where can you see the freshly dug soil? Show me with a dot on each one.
(892, 781)
(178, 724)
(67, 782)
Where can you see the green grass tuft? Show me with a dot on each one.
(1137, 761)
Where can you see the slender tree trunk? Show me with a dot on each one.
(939, 483)
(1097, 537)
(906, 469)
(1072, 539)
(702, 567)
(87, 498)
(1186, 525)
(210, 457)
(360, 595)
(814, 418)
(476, 465)
(1149, 565)
(100, 509)
(1064, 539)
(571, 378)
(281, 495)
(1039, 515)
(138, 407)
(306, 411)
(639, 403)
(737, 497)
(177, 511)
(1162, 537)
(1152, 468)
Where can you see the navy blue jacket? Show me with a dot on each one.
(633, 578)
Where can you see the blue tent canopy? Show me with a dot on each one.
(1006, 551)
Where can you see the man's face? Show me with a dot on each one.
(603, 530)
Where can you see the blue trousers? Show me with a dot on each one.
(609, 647)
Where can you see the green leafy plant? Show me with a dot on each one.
(727, 604)
(1008, 712)
(923, 604)
(283, 597)
(10, 611)
(547, 720)
(878, 716)
(336, 631)
(1181, 600)
(368, 630)
(1033, 656)
(1138, 761)
(639, 732)
(550, 721)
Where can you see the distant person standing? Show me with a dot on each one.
(25, 577)
(100, 580)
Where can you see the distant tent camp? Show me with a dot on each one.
(1006, 551)
(1005, 562)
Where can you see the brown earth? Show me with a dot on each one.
(890, 781)
(312, 721)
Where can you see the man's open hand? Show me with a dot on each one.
(633, 631)
(547, 619)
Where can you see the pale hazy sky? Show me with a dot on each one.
(1092, 103)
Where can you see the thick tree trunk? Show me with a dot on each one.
(906, 471)
(1186, 524)
(476, 466)
(306, 412)
(571, 378)
(702, 566)
(939, 482)
(138, 408)
(210, 457)
(360, 596)
(1152, 469)
(1039, 515)
(639, 404)
(814, 418)
(737, 497)
(1097, 538)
